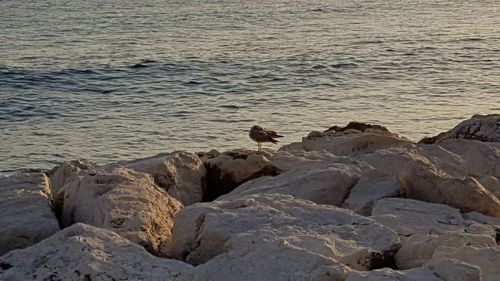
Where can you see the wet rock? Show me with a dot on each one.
(205, 231)
(480, 127)
(328, 185)
(124, 201)
(83, 252)
(226, 171)
(181, 174)
(27, 217)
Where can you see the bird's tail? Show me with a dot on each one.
(274, 141)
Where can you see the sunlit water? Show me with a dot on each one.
(109, 80)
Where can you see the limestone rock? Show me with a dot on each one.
(26, 217)
(453, 270)
(371, 187)
(181, 174)
(465, 193)
(486, 259)
(300, 159)
(221, 227)
(61, 174)
(83, 252)
(329, 185)
(407, 216)
(480, 127)
(417, 249)
(386, 274)
(121, 200)
(227, 170)
(349, 143)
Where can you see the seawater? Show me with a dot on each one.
(111, 80)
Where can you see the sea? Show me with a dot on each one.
(114, 80)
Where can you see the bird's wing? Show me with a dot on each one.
(272, 133)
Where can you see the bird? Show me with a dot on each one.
(260, 135)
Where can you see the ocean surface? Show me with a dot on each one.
(112, 80)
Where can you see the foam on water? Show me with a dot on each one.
(123, 79)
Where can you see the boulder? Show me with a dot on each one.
(27, 217)
(61, 174)
(371, 187)
(300, 159)
(121, 200)
(465, 193)
(417, 249)
(407, 216)
(486, 259)
(205, 231)
(181, 174)
(226, 171)
(349, 143)
(328, 185)
(453, 270)
(83, 252)
(386, 274)
(480, 127)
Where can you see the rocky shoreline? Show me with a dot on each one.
(347, 204)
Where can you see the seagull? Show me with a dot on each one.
(260, 135)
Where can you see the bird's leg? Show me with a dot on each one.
(258, 146)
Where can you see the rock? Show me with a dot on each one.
(386, 274)
(453, 270)
(371, 187)
(395, 161)
(205, 231)
(61, 174)
(329, 185)
(124, 201)
(83, 252)
(465, 193)
(492, 184)
(417, 249)
(480, 127)
(181, 174)
(228, 170)
(358, 126)
(27, 217)
(299, 159)
(407, 216)
(486, 259)
(349, 143)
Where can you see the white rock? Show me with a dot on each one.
(83, 252)
(386, 274)
(349, 144)
(61, 174)
(181, 174)
(329, 185)
(320, 229)
(407, 217)
(27, 216)
(486, 259)
(419, 248)
(453, 270)
(124, 201)
(371, 187)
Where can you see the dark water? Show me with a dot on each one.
(109, 80)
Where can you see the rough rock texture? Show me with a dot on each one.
(83, 252)
(386, 274)
(480, 127)
(407, 217)
(419, 248)
(357, 126)
(453, 270)
(26, 214)
(486, 259)
(371, 187)
(205, 231)
(124, 201)
(181, 174)
(329, 185)
(225, 171)
(61, 174)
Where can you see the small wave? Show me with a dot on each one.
(345, 65)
